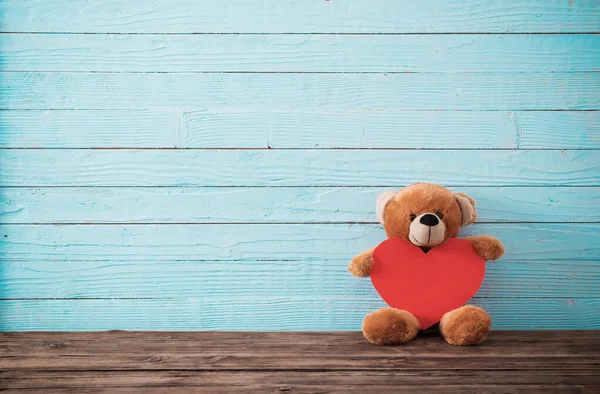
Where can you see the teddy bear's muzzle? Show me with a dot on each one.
(427, 230)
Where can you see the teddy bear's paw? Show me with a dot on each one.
(494, 249)
(389, 326)
(489, 248)
(468, 325)
(360, 270)
(361, 265)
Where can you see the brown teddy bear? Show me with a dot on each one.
(426, 215)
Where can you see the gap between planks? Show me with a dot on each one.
(255, 223)
(306, 149)
(482, 33)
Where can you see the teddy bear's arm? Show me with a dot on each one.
(489, 248)
(361, 265)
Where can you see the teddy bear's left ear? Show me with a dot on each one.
(381, 203)
(467, 208)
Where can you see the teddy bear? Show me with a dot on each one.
(426, 215)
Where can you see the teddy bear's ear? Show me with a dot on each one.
(382, 201)
(467, 208)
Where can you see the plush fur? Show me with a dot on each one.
(426, 215)
(467, 325)
(389, 326)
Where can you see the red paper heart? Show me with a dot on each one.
(427, 284)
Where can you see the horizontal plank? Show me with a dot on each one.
(300, 53)
(301, 381)
(268, 314)
(283, 129)
(328, 346)
(95, 129)
(557, 130)
(305, 387)
(304, 16)
(316, 167)
(173, 279)
(308, 91)
(523, 242)
(275, 205)
(299, 129)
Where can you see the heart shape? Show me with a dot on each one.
(427, 284)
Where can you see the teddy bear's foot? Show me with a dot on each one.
(389, 326)
(467, 325)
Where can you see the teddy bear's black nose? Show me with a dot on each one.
(429, 220)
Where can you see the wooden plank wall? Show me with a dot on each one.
(213, 165)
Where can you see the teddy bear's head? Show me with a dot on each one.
(425, 214)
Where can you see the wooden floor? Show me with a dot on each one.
(340, 362)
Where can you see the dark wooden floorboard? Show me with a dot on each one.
(338, 362)
(384, 389)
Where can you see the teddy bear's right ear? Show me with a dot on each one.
(382, 201)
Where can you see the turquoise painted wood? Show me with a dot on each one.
(213, 165)
(279, 167)
(270, 313)
(299, 129)
(558, 130)
(276, 205)
(290, 241)
(284, 91)
(319, 53)
(300, 16)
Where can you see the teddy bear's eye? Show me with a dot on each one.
(412, 217)
(440, 215)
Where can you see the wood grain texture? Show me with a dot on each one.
(298, 167)
(310, 313)
(241, 16)
(274, 385)
(327, 278)
(368, 381)
(282, 91)
(299, 129)
(332, 348)
(93, 129)
(508, 362)
(275, 129)
(547, 130)
(300, 53)
(523, 242)
(275, 205)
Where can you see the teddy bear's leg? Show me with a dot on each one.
(389, 326)
(467, 325)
